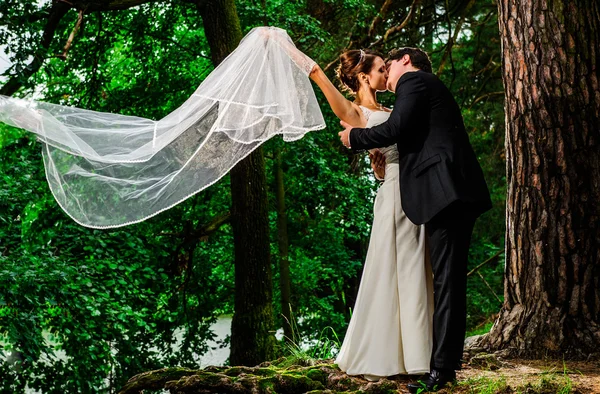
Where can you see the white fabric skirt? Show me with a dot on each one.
(390, 331)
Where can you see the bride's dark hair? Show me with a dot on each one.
(352, 63)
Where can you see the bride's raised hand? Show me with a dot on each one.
(341, 106)
(281, 38)
(269, 31)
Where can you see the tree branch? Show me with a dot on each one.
(63, 55)
(377, 20)
(212, 226)
(110, 5)
(203, 231)
(490, 94)
(58, 10)
(350, 44)
(387, 35)
(397, 29)
(453, 37)
(334, 61)
(484, 263)
(490, 287)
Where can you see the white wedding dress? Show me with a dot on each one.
(390, 331)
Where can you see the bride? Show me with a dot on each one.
(110, 170)
(390, 331)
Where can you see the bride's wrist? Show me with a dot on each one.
(315, 73)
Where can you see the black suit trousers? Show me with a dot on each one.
(449, 238)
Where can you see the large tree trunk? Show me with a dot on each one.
(551, 73)
(252, 340)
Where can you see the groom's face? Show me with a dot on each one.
(395, 71)
(396, 68)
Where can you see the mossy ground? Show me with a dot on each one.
(485, 376)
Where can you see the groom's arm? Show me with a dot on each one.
(411, 106)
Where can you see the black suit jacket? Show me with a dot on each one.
(437, 163)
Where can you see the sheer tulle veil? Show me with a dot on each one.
(109, 170)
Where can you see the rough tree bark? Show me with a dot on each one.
(252, 341)
(552, 277)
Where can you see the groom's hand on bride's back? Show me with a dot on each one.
(377, 163)
(345, 134)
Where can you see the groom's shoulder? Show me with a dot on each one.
(420, 76)
(409, 80)
(427, 76)
(410, 75)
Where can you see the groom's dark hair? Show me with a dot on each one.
(418, 58)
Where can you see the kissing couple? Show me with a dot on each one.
(410, 312)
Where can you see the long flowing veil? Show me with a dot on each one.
(109, 170)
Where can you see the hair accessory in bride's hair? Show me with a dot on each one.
(362, 56)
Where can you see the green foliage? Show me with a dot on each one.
(111, 301)
(300, 350)
(116, 303)
(483, 302)
(481, 329)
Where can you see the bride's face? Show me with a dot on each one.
(378, 75)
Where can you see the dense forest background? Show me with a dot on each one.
(113, 299)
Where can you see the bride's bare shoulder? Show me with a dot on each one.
(361, 116)
(358, 109)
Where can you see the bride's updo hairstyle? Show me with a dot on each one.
(352, 63)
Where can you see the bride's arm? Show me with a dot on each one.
(342, 107)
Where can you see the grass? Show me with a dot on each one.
(480, 330)
(483, 385)
(552, 381)
(298, 350)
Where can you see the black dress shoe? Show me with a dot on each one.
(434, 381)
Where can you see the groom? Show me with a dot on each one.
(441, 186)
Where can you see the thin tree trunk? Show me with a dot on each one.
(428, 16)
(252, 340)
(551, 66)
(283, 241)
